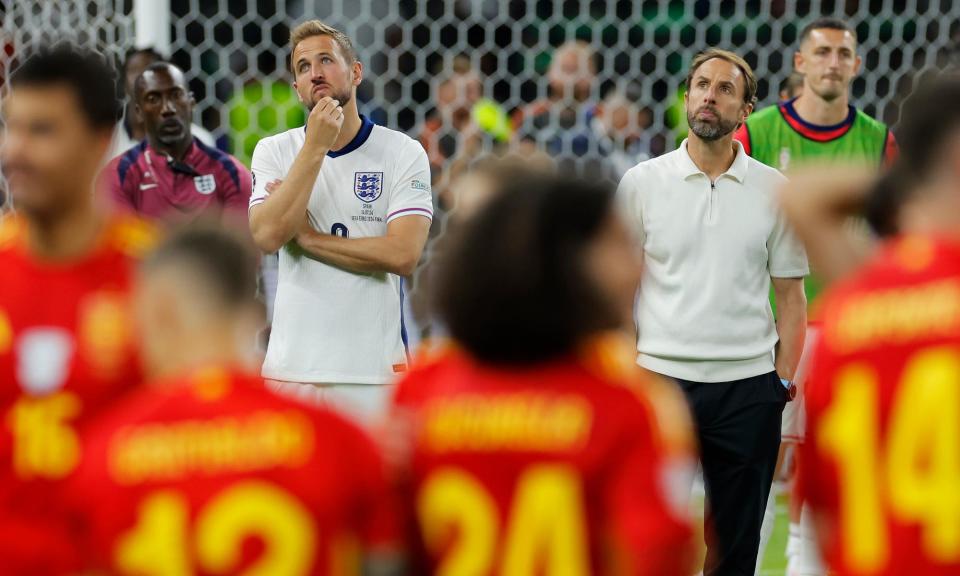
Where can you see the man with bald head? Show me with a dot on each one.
(171, 175)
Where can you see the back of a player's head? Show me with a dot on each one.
(214, 267)
(195, 301)
(929, 139)
(929, 120)
(312, 28)
(792, 86)
(514, 286)
(86, 73)
(148, 55)
(826, 23)
(749, 78)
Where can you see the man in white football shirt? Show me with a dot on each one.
(348, 205)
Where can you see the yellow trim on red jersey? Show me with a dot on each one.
(612, 357)
(11, 229)
(132, 236)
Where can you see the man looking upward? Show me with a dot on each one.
(348, 205)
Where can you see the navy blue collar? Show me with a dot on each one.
(788, 107)
(366, 127)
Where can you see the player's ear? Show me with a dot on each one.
(137, 113)
(357, 73)
(798, 61)
(856, 65)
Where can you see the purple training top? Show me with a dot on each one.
(155, 186)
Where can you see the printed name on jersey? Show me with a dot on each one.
(205, 184)
(368, 186)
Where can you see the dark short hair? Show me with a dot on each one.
(928, 119)
(749, 78)
(828, 23)
(86, 72)
(149, 51)
(513, 288)
(791, 83)
(217, 259)
(155, 67)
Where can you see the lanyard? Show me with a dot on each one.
(175, 165)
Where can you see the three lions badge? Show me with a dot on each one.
(368, 185)
(205, 184)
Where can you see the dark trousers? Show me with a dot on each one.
(738, 427)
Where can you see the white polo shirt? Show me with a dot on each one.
(703, 309)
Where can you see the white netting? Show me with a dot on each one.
(235, 55)
(642, 46)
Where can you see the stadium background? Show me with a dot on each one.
(235, 52)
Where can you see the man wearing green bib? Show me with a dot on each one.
(818, 126)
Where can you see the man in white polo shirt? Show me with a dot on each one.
(348, 205)
(713, 240)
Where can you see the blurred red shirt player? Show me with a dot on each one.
(881, 466)
(205, 470)
(65, 344)
(537, 446)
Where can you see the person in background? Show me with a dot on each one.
(205, 454)
(130, 129)
(348, 204)
(66, 345)
(878, 467)
(578, 476)
(461, 127)
(619, 127)
(791, 87)
(714, 243)
(560, 123)
(818, 125)
(172, 175)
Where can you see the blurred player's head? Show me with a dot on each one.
(324, 63)
(547, 263)
(622, 117)
(721, 92)
(458, 92)
(135, 62)
(60, 115)
(792, 86)
(827, 57)
(922, 191)
(195, 302)
(164, 104)
(486, 178)
(573, 71)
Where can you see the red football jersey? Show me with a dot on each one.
(565, 468)
(214, 474)
(66, 350)
(881, 467)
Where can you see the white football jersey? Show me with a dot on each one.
(331, 325)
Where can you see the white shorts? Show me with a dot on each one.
(364, 404)
(794, 422)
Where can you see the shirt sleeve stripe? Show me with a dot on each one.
(428, 213)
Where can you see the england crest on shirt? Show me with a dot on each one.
(205, 184)
(368, 185)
